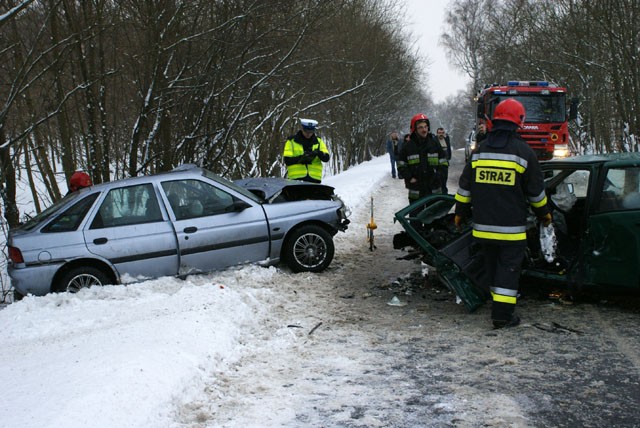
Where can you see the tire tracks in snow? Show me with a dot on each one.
(425, 364)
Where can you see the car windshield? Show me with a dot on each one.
(215, 177)
(540, 108)
(46, 214)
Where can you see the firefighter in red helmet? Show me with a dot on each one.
(502, 180)
(420, 160)
(79, 180)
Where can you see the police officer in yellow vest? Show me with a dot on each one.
(304, 153)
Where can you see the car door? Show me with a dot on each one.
(130, 230)
(612, 254)
(215, 229)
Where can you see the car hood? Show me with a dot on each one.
(429, 225)
(275, 190)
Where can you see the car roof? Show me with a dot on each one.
(181, 171)
(627, 158)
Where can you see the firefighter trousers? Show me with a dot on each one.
(503, 265)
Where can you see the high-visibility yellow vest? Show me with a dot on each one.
(296, 171)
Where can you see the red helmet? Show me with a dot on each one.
(510, 110)
(417, 118)
(79, 180)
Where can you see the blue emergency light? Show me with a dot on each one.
(526, 83)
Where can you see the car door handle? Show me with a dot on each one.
(100, 241)
(190, 229)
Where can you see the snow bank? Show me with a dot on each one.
(121, 356)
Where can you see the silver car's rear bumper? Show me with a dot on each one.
(34, 280)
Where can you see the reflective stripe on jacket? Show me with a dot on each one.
(421, 160)
(292, 148)
(502, 180)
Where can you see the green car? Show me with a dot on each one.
(595, 204)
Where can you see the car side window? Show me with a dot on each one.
(621, 190)
(194, 198)
(128, 205)
(71, 218)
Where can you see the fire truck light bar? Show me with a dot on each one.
(526, 83)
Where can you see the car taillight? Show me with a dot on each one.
(15, 255)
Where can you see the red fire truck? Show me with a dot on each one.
(545, 126)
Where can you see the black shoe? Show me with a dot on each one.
(514, 321)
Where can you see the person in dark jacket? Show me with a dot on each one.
(420, 160)
(445, 143)
(481, 133)
(502, 180)
(392, 149)
(304, 153)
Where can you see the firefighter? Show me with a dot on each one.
(79, 180)
(420, 160)
(304, 153)
(502, 178)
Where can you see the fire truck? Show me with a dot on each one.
(546, 122)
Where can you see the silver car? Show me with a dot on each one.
(185, 221)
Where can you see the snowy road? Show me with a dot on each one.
(426, 364)
(257, 347)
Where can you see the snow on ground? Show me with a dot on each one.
(121, 356)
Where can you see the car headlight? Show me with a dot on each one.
(472, 145)
(344, 210)
(561, 151)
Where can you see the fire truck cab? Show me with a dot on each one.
(546, 122)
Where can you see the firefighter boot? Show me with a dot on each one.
(514, 321)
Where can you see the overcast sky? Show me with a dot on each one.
(426, 21)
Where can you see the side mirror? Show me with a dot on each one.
(480, 109)
(573, 110)
(237, 206)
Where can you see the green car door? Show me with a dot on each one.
(612, 238)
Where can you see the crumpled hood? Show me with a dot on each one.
(281, 190)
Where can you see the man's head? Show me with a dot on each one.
(482, 127)
(394, 136)
(79, 180)
(308, 127)
(420, 125)
(440, 132)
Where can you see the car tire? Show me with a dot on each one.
(308, 249)
(82, 277)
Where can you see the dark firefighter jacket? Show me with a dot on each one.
(304, 157)
(502, 179)
(421, 160)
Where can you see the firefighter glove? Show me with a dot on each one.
(546, 219)
(459, 220)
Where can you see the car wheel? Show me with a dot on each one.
(82, 277)
(309, 249)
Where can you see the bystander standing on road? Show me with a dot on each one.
(392, 149)
(445, 143)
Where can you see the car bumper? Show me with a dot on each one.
(34, 280)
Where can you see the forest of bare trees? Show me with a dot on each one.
(120, 88)
(591, 47)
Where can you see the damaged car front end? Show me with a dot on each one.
(592, 246)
